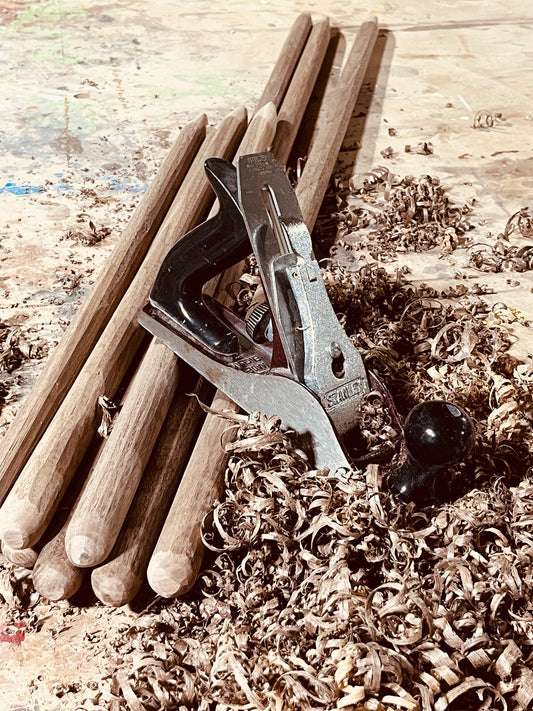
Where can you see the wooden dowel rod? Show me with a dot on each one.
(23, 557)
(286, 63)
(36, 493)
(54, 576)
(67, 359)
(300, 89)
(118, 581)
(178, 553)
(331, 130)
(112, 483)
(96, 523)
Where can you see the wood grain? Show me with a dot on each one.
(67, 359)
(36, 493)
(112, 482)
(286, 63)
(300, 89)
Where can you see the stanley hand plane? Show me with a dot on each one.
(290, 356)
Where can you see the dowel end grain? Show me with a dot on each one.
(170, 575)
(113, 587)
(55, 583)
(17, 523)
(23, 557)
(85, 551)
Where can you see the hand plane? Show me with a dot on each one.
(290, 356)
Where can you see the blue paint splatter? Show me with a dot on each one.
(65, 188)
(62, 187)
(15, 189)
(116, 184)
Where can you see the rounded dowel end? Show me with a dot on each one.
(56, 583)
(21, 522)
(170, 575)
(14, 534)
(84, 550)
(23, 557)
(112, 588)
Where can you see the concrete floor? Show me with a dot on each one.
(93, 94)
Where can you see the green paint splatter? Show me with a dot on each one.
(51, 21)
(44, 14)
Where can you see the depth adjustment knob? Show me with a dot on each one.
(259, 323)
(438, 434)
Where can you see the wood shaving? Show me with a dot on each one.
(109, 410)
(383, 215)
(424, 148)
(487, 119)
(89, 234)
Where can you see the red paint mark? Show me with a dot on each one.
(13, 637)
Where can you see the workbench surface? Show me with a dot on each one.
(93, 95)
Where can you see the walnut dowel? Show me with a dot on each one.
(258, 137)
(118, 581)
(300, 89)
(23, 557)
(331, 130)
(54, 576)
(36, 493)
(286, 63)
(112, 483)
(66, 360)
(178, 553)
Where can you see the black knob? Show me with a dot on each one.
(437, 435)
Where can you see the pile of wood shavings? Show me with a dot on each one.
(501, 256)
(384, 214)
(322, 593)
(446, 345)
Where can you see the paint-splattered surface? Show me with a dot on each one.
(93, 94)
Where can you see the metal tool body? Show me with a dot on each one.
(311, 375)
